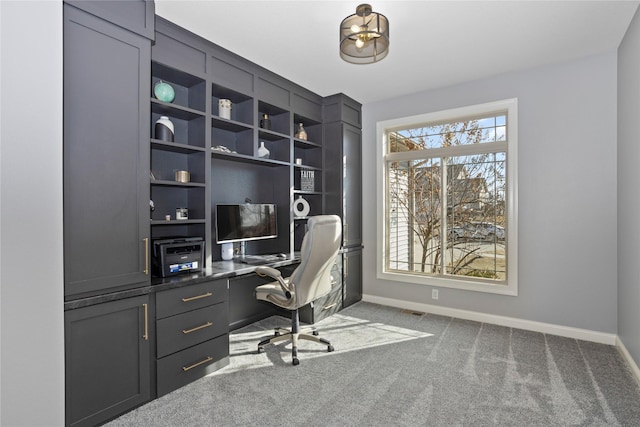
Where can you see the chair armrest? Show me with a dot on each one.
(268, 271)
(264, 271)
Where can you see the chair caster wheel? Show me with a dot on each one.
(260, 350)
(330, 348)
(315, 333)
(295, 362)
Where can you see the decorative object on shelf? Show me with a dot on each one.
(164, 92)
(307, 181)
(301, 133)
(164, 129)
(183, 176)
(265, 122)
(167, 217)
(298, 161)
(263, 152)
(152, 205)
(227, 251)
(222, 148)
(301, 207)
(364, 36)
(224, 108)
(182, 213)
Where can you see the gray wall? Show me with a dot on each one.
(629, 189)
(567, 197)
(31, 309)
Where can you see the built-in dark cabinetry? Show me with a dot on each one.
(107, 359)
(106, 154)
(343, 184)
(127, 341)
(107, 57)
(192, 333)
(352, 286)
(221, 151)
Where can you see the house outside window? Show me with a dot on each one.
(448, 211)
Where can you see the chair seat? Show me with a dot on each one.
(273, 292)
(269, 288)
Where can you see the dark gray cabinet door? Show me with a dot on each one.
(106, 155)
(343, 179)
(352, 286)
(107, 360)
(352, 186)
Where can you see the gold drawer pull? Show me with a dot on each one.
(187, 368)
(207, 295)
(197, 328)
(327, 307)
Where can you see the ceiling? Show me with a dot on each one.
(432, 43)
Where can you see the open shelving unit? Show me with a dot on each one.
(221, 154)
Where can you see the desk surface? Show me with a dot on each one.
(218, 270)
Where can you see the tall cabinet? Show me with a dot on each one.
(107, 47)
(343, 185)
(106, 149)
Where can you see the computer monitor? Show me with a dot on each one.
(247, 221)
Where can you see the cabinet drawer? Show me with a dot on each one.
(185, 330)
(188, 365)
(322, 307)
(180, 300)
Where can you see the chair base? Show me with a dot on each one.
(294, 334)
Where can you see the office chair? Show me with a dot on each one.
(311, 280)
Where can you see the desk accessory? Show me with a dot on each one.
(182, 213)
(224, 108)
(183, 176)
(301, 133)
(265, 122)
(164, 129)
(301, 207)
(263, 152)
(164, 92)
(307, 180)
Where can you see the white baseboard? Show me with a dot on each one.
(627, 357)
(529, 325)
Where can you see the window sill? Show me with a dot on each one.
(510, 288)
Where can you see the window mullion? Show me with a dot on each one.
(443, 214)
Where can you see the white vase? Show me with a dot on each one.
(164, 129)
(263, 152)
(301, 207)
(224, 108)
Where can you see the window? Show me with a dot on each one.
(448, 211)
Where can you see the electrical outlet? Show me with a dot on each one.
(434, 294)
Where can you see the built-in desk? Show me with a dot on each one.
(218, 270)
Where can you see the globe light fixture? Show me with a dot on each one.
(364, 36)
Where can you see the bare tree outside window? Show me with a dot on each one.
(446, 210)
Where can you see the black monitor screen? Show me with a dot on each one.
(245, 222)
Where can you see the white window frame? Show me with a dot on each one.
(452, 115)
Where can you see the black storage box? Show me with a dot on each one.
(177, 255)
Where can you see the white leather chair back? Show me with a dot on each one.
(319, 249)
